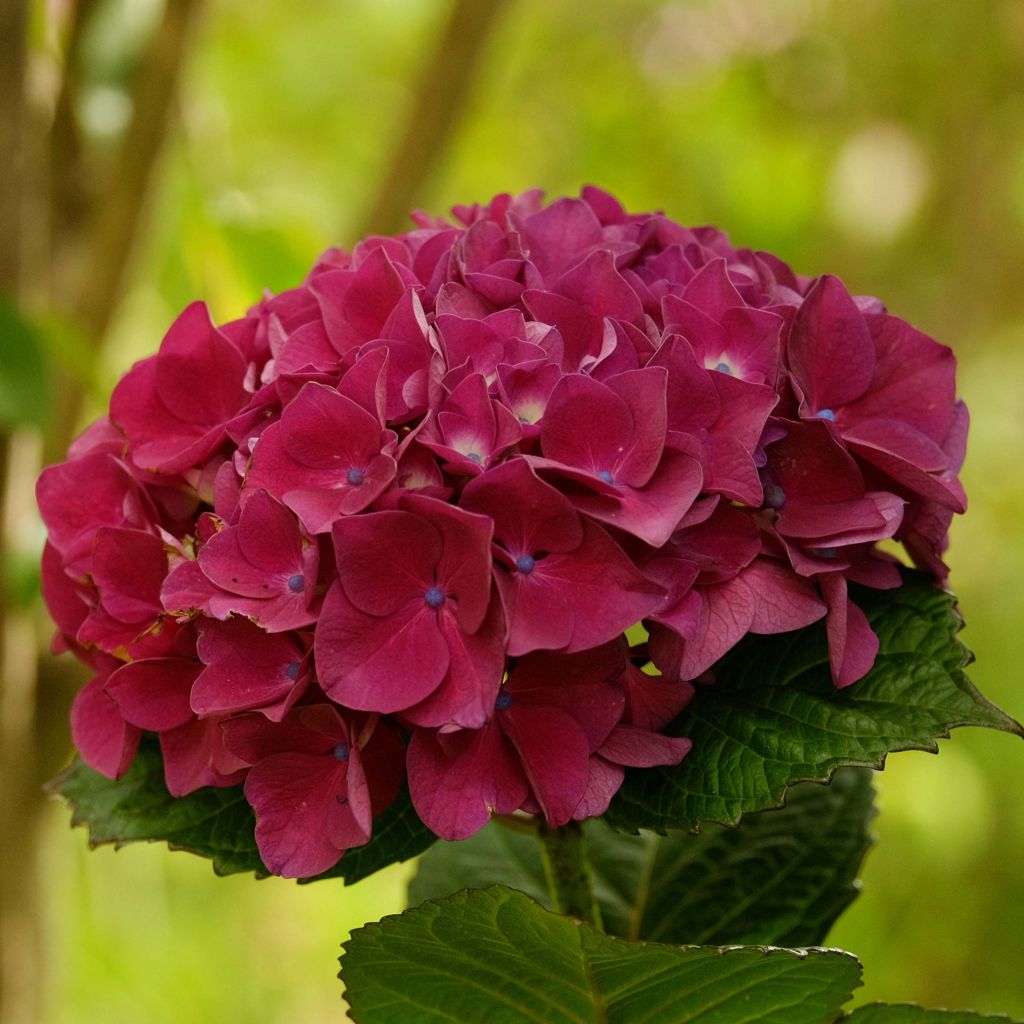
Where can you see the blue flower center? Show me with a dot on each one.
(355, 476)
(724, 368)
(435, 597)
(827, 552)
(503, 701)
(341, 752)
(292, 671)
(606, 476)
(296, 583)
(475, 457)
(526, 563)
(826, 414)
(774, 496)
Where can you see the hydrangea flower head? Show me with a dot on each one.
(391, 527)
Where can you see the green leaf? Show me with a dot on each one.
(904, 1013)
(773, 716)
(25, 380)
(781, 878)
(495, 955)
(211, 822)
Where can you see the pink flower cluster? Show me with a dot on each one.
(392, 525)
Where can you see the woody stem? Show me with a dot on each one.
(564, 853)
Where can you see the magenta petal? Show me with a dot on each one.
(583, 685)
(596, 586)
(455, 780)
(785, 601)
(386, 559)
(174, 406)
(65, 598)
(296, 800)
(372, 663)
(914, 379)
(247, 669)
(812, 467)
(356, 303)
(726, 612)
(263, 567)
(643, 391)
(603, 782)
(186, 589)
(906, 462)
(693, 400)
(541, 617)
(199, 372)
(586, 425)
(852, 644)
(638, 748)
(556, 236)
(325, 430)
(464, 569)
(555, 756)
(901, 440)
(307, 729)
(830, 349)
(711, 290)
(475, 666)
(860, 517)
(105, 740)
(529, 515)
(154, 693)
(651, 513)
(128, 568)
(597, 286)
(653, 701)
(350, 823)
(76, 498)
(195, 756)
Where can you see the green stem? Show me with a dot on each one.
(564, 853)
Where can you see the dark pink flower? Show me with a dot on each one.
(552, 713)
(610, 438)
(578, 302)
(173, 407)
(885, 388)
(326, 457)
(426, 492)
(309, 784)
(76, 498)
(726, 335)
(263, 567)
(470, 430)
(407, 622)
(247, 669)
(105, 739)
(565, 583)
(724, 414)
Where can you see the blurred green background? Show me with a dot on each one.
(882, 140)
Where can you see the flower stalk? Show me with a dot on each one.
(564, 853)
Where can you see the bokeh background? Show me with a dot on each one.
(154, 152)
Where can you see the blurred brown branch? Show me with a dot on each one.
(440, 102)
(18, 937)
(111, 217)
(93, 207)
